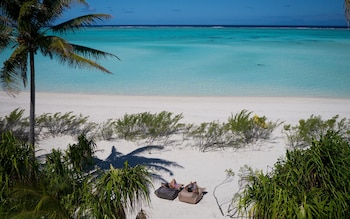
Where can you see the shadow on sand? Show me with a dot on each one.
(117, 160)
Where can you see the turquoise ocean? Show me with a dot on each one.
(207, 61)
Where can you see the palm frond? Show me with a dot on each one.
(79, 22)
(27, 8)
(93, 53)
(50, 45)
(50, 10)
(63, 3)
(75, 60)
(10, 8)
(67, 53)
(5, 35)
(27, 22)
(14, 70)
(347, 11)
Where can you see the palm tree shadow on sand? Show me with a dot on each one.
(117, 160)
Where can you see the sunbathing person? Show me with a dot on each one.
(192, 187)
(174, 185)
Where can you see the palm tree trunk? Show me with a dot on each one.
(32, 99)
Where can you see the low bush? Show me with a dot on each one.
(67, 184)
(16, 123)
(62, 124)
(106, 130)
(309, 183)
(209, 136)
(240, 130)
(245, 128)
(148, 126)
(301, 135)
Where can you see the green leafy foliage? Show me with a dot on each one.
(106, 130)
(246, 129)
(17, 164)
(148, 126)
(311, 183)
(118, 189)
(66, 184)
(301, 135)
(209, 136)
(62, 124)
(16, 123)
(240, 130)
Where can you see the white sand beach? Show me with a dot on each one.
(183, 162)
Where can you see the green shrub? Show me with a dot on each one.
(240, 130)
(209, 136)
(64, 185)
(62, 124)
(301, 135)
(106, 130)
(16, 124)
(17, 163)
(245, 129)
(148, 126)
(311, 183)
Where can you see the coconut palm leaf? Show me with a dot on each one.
(15, 70)
(55, 8)
(5, 33)
(10, 9)
(93, 53)
(65, 52)
(347, 11)
(75, 60)
(78, 22)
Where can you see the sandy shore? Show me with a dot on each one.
(184, 162)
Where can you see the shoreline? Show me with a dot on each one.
(98, 106)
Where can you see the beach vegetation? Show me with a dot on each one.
(149, 126)
(306, 183)
(16, 123)
(209, 135)
(29, 27)
(310, 129)
(66, 183)
(58, 124)
(106, 130)
(240, 130)
(246, 129)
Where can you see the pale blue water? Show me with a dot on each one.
(204, 61)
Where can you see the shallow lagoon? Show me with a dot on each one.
(207, 61)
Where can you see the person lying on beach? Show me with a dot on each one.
(173, 185)
(192, 187)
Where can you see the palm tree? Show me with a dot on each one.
(26, 26)
(347, 11)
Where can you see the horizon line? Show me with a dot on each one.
(218, 25)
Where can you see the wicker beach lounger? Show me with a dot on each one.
(167, 193)
(190, 195)
(169, 190)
